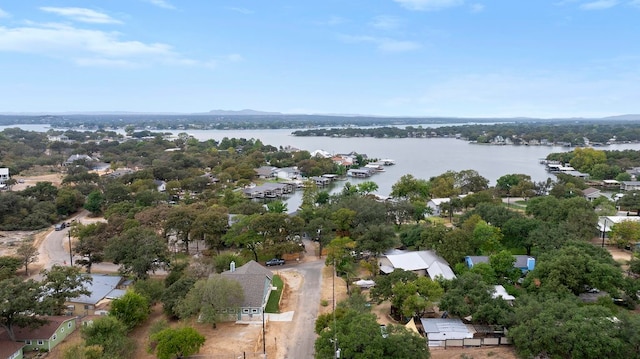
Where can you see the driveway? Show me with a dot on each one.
(301, 337)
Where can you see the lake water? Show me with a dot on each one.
(421, 157)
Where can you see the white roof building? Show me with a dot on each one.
(438, 330)
(421, 262)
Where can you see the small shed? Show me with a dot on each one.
(439, 330)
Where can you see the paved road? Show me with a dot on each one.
(300, 345)
(54, 249)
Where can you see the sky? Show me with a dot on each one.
(422, 58)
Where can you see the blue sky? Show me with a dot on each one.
(506, 58)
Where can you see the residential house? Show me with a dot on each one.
(58, 138)
(590, 194)
(605, 223)
(255, 281)
(47, 336)
(161, 185)
(77, 157)
(500, 292)
(320, 154)
(436, 205)
(288, 173)
(103, 288)
(321, 181)
(630, 185)
(439, 330)
(266, 172)
(420, 262)
(522, 262)
(11, 350)
(4, 175)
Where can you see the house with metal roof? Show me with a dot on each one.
(420, 262)
(439, 330)
(103, 288)
(255, 281)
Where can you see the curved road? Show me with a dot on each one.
(54, 249)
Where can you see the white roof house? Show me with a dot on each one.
(500, 292)
(4, 174)
(421, 262)
(438, 330)
(606, 222)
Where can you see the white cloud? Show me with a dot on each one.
(477, 7)
(3, 13)
(241, 10)
(383, 43)
(599, 5)
(161, 3)
(428, 5)
(538, 94)
(87, 47)
(82, 15)
(386, 22)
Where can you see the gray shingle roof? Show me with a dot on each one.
(254, 280)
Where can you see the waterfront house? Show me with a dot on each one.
(630, 185)
(591, 193)
(287, 173)
(436, 205)
(266, 172)
(360, 172)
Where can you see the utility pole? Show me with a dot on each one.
(70, 252)
(335, 334)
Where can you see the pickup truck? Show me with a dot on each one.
(275, 262)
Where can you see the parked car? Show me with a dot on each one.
(60, 226)
(275, 262)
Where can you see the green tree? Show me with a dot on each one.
(210, 226)
(209, 297)
(411, 188)
(176, 343)
(62, 283)
(8, 266)
(27, 254)
(276, 207)
(138, 251)
(19, 300)
(132, 309)
(111, 335)
(561, 328)
(383, 290)
(625, 233)
(359, 336)
(91, 242)
(94, 202)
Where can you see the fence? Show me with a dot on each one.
(243, 355)
(475, 342)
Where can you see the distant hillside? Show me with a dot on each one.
(245, 112)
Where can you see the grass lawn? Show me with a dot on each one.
(274, 297)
